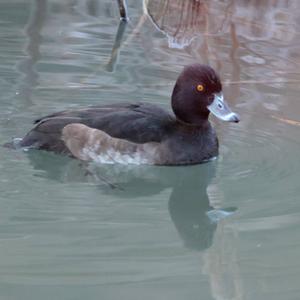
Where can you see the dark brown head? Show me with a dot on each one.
(197, 92)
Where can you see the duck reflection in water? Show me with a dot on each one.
(194, 218)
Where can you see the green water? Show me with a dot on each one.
(228, 229)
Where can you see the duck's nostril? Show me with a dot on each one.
(236, 118)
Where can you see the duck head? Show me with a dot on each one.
(197, 92)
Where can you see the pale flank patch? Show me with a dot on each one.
(112, 156)
(95, 145)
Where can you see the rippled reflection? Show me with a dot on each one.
(183, 20)
(72, 30)
(190, 209)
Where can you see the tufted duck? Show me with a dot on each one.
(141, 133)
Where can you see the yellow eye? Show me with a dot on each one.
(200, 88)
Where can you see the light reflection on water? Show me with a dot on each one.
(71, 231)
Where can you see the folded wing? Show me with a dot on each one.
(137, 123)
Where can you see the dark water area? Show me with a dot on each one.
(228, 229)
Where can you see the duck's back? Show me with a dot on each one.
(138, 123)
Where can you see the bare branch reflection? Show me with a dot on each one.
(111, 65)
(26, 66)
(181, 20)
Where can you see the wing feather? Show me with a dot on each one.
(138, 123)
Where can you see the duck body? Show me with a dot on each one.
(141, 132)
(153, 129)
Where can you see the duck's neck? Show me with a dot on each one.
(191, 116)
(200, 124)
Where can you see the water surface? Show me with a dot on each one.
(228, 229)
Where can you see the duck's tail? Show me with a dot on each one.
(14, 144)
